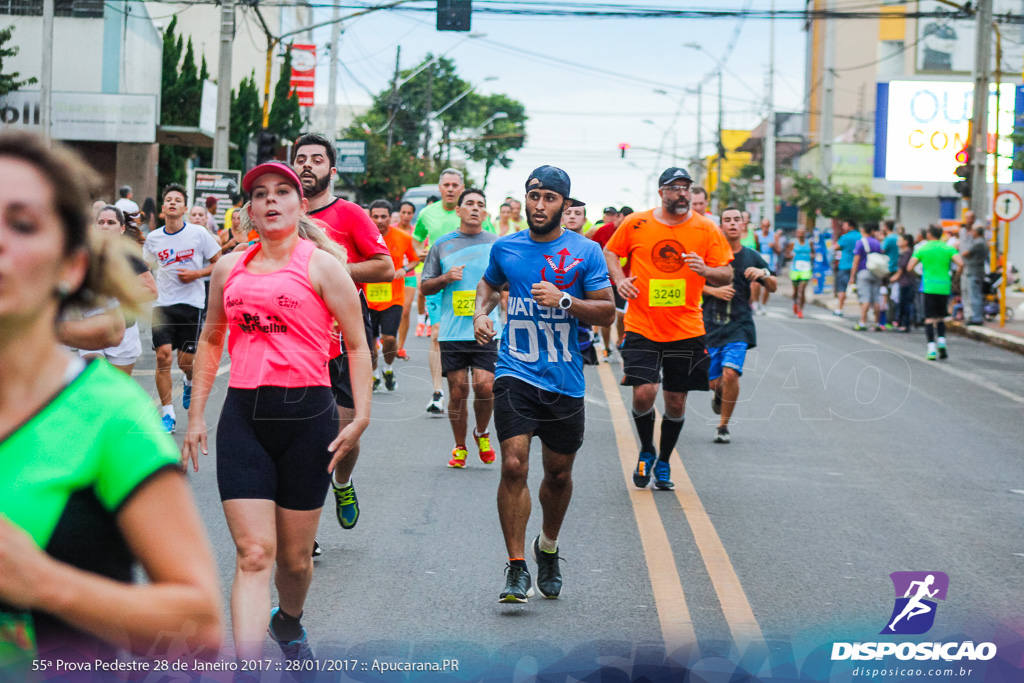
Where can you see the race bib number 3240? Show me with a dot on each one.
(667, 293)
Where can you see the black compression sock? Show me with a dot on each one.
(286, 627)
(645, 429)
(941, 327)
(929, 331)
(669, 435)
(521, 563)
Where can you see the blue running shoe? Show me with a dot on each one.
(168, 422)
(346, 505)
(296, 650)
(186, 396)
(642, 473)
(662, 473)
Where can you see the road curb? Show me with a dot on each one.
(977, 332)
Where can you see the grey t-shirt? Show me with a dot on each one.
(977, 255)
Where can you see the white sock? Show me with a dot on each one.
(421, 318)
(477, 435)
(547, 545)
(388, 368)
(334, 480)
(931, 347)
(942, 341)
(188, 382)
(168, 410)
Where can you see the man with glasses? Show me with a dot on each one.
(673, 252)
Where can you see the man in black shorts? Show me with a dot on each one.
(539, 387)
(184, 254)
(673, 251)
(453, 267)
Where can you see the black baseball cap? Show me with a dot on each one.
(549, 178)
(576, 203)
(626, 210)
(674, 173)
(610, 209)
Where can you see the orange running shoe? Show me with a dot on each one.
(402, 355)
(421, 330)
(483, 442)
(458, 460)
(800, 314)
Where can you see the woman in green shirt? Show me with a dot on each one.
(90, 485)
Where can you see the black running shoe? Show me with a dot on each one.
(317, 552)
(549, 575)
(716, 403)
(518, 585)
(943, 354)
(723, 435)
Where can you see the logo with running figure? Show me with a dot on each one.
(916, 595)
(565, 265)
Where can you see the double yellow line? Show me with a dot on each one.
(666, 584)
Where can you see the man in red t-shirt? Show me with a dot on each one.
(313, 159)
(613, 219)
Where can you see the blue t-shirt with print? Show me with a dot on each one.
(891, 247)
(847, 243)
(540, 345)
(457, 300)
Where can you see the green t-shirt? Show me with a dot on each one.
(935, 257)
(434, 222)
(748, 240)
(67, 471)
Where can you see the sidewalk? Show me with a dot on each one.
(1010, 337)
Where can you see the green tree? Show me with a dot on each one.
(181, 100)
(9, 82)
(285, 117)
(815, 197)
(246, 119)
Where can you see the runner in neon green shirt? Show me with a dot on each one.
(935, 257)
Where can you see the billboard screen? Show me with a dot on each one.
(921, 125)
(945, 45)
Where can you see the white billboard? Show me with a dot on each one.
(927, 123)
(100, 117)
(945, 45)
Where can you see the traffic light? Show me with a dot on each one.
(623, 146)
(454, 15)
(266, 146)
(964, 171)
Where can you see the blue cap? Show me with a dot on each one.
(549, 178)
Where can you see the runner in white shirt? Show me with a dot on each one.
(184, 253)
(125, 203)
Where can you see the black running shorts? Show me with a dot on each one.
(385, 323)
(679, 366)
(337, 367)
(521, 408)
(272, 445)
(459, 355)
(178, 325)
(936, 306)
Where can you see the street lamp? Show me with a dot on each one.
(436, 58)
(458, 97)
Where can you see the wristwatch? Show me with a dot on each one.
(767, 273)
(565, 301)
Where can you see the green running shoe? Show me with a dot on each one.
(346, 505)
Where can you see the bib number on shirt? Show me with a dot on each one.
(378, 292)
(464, 302)
(665, 293)
(801, 266)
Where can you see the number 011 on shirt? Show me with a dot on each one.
(663, 293)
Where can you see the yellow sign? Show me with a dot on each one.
(667, 293)
(464, 302)
(378, 292)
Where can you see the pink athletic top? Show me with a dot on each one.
(279, 327)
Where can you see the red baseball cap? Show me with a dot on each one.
(272, 167)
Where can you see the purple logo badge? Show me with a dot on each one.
(916, 595)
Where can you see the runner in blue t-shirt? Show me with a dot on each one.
(453, 268)
(555, 278)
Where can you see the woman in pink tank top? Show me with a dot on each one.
(278, 435)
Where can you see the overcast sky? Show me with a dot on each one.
(578, 116)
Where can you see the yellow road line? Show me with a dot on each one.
(669, 599)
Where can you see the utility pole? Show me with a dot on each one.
(721, 145)
(46, 80)
(332, 86)
(430, 110)
(769, 137)
(828, 93)
(227, 36)
(700, 159)
(393, 105)
(979, 123)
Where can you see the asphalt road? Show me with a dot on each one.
(852, 457)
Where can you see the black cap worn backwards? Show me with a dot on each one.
(576, 203)
(610, 209)
(626, 210)
(549, 178)
(673, 173)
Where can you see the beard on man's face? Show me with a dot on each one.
(312, 186)
(546, 228)
(678, 206)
